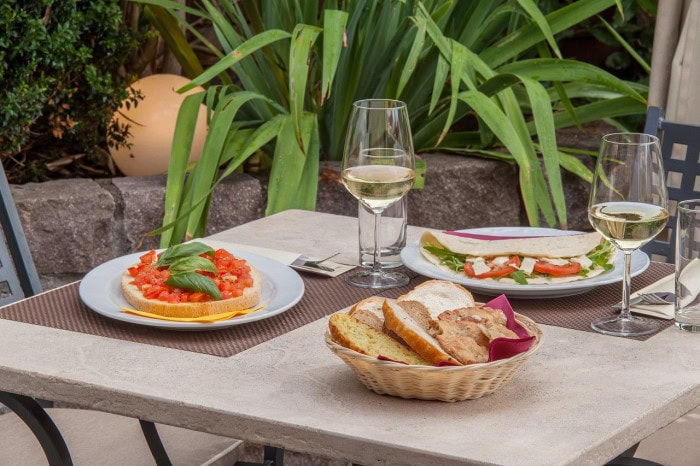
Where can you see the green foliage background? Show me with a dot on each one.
(59, 81)
(480, 77)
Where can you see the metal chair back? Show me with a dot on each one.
(680, 147)
(18, 276)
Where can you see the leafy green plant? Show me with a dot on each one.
(479, 77)
(59, 82)
(619, 40)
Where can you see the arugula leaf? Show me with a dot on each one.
(179, 251)
(519, 277)
(195, 282)
(602, 254)
(192, 264)
(451, 259)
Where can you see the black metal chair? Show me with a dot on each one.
(18, 280)
(680, 147)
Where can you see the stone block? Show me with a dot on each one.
(69, 224)
(465, 192)
(460, 192)
(332, 197)
(577, 191)
(237, 200)
(141, 209)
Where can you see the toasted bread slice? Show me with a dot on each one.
(399, 321)
(358, 336)
(491, 322)
(134, 296)
(464, 340)
(430, 299)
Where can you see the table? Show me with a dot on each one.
(583, 398)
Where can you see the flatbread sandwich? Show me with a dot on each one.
(532, 260)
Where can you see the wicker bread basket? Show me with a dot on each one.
(448, 383)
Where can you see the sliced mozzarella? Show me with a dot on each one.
(527, 264)
(480, 267)
(585, 262)
(554, 261)
(500, 260)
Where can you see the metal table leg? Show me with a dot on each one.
(272, 456)
(41, 424)
(155, 443)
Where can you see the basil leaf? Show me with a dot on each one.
(192, 264)
(179, 251)
(193, 281)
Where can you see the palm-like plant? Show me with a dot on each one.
(479, 77)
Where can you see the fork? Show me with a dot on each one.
(319, 261)
(315, 264)
(650, 298)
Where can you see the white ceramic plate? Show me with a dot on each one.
(100, 290)
(414, 260)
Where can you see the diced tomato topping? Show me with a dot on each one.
(232, 279)
(149, 258)
(198, 297)
(571, 268)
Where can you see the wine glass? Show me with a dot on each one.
(378, 169)
(628, 206)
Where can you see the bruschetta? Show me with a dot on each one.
(191, 280)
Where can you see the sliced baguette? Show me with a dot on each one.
(399, 321)
(134, 296)
(430, 299)
(369, 311)
(358, 336)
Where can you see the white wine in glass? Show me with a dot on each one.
(628, 206)
(378, 169)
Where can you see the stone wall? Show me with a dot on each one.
(75, 225)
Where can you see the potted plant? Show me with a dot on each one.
(479, 77)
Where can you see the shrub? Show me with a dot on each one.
(59, 82)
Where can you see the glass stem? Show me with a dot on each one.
(377, 261)
(626, 286)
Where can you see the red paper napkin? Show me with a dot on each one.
(486, 237)
(503, 348)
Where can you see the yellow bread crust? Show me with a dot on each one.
(349, 332)
(250, 297)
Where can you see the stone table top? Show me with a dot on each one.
(583, 398)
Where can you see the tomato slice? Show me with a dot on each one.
(514, 261)
(571, 268)
(498, 271)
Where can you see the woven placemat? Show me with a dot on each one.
(61, 308)
(577, 312)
